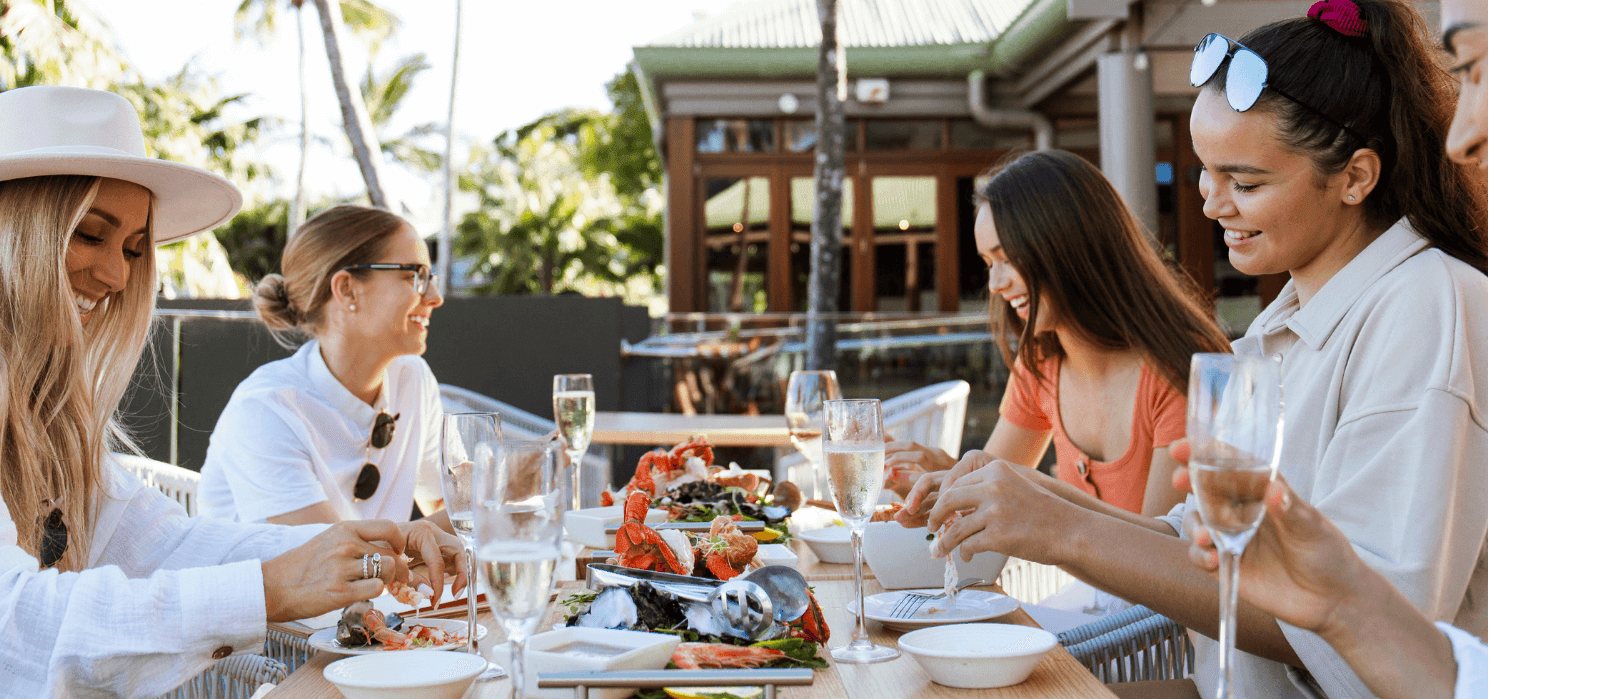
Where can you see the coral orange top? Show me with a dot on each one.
(1159, 417)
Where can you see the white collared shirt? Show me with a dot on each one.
(162, 598)
(1384, 375)
(293, 436)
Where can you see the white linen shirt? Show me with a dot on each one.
(292, 436)
(160, 596)
(1384, 376)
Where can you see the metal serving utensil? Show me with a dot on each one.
(767, 594)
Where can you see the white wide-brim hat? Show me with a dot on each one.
(52, 130)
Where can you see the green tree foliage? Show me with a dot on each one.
(383, 94)
(56, 42)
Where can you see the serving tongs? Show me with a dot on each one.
(764, 595)
(581, 682)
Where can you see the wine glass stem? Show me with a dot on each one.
(574, 458)
(862, 639)
(471, 597)
(518, 668)
(1228, 631)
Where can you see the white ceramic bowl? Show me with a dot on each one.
(587, 526)
(406, 674)
(978, 656)
(550, 652)
(901, 559)
(831, 544)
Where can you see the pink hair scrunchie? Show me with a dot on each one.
(1340, 15)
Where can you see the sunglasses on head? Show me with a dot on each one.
(1246, 76)
(382, 434)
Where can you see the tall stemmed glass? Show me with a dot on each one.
(518, 534)
(807, 391)
(854, 451)
(574, 419)
(469, 439)
(1234, 423)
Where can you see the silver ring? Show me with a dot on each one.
(377, 565)
(366, 566)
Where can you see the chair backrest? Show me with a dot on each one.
(514, 422)
(1134, 645)
(177, 482)
(933, 416)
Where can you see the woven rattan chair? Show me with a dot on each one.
(1131, 646)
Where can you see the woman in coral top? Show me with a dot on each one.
(1097, 332)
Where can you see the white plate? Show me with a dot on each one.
(327, 639)
(970, 605)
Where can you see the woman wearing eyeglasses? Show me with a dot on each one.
(107, 588)
(1322, 140)
(348, 427)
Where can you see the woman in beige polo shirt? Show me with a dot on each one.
(1336, 174)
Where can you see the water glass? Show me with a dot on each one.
(1234, 424)
(807, 392)
(574, 420)
(518, 537)
(469, 439)
(853, 448)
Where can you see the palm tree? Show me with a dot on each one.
(446, 233)
(826, 232)
(56, 42)
(357, 123)
(382, 94)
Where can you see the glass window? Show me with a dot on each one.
(801, 136)
(737, 211)
(802, 201)
(969, 135)
(904, 135)
(736, 136)
(905, 210)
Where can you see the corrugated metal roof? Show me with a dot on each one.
(770, 24)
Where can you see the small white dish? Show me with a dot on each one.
(978, 656)
(831, 544)
(406, 674)
(587, 526)
(969, 606)
(777, 555)
(901, 558)
(578, 649)
(327, 639)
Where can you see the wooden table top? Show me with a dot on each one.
(668, 429)
(1058, 676)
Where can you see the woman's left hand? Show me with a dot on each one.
(1001, 509)
(443, 555)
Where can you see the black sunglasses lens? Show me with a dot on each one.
(1207, 56)
(366, 483)
(53, 540)
(383, 430)
(1245, 79)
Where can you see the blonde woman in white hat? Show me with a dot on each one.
(106, 588)
(349, 426)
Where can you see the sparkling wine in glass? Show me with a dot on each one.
(469, 439)
(574, 420)
(853, 449)
(1234, 424)
(518, 537)
(807, 392)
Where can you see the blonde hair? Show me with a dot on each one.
(63, 379)
(291, 304)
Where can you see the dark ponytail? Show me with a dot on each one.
(1390, 89)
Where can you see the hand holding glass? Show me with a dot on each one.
(469, 439)
(518, 535)
(854, 451)
(1234, 424)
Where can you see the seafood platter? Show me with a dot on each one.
(704, 585)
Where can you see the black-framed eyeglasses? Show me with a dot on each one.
(1246, 76)
(52, 539)
(382, 435)
(422, 277)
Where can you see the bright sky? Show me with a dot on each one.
(519, 60)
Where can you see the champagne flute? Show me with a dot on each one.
(469, 439)
(574, 420)
(854, 451)
(807, 391)
(1234, 424)
(518, 532)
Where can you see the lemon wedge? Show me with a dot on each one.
(767, 534)
(713, 692)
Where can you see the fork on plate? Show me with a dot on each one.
(912, 602)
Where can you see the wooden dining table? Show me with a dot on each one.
(1058, 676)
(669, 428)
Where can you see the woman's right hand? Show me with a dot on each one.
(326, 572)
(923, 496)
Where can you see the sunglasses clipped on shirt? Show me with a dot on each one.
(1246, 76)
(52, 539)
(382, 434)
(422, 276)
